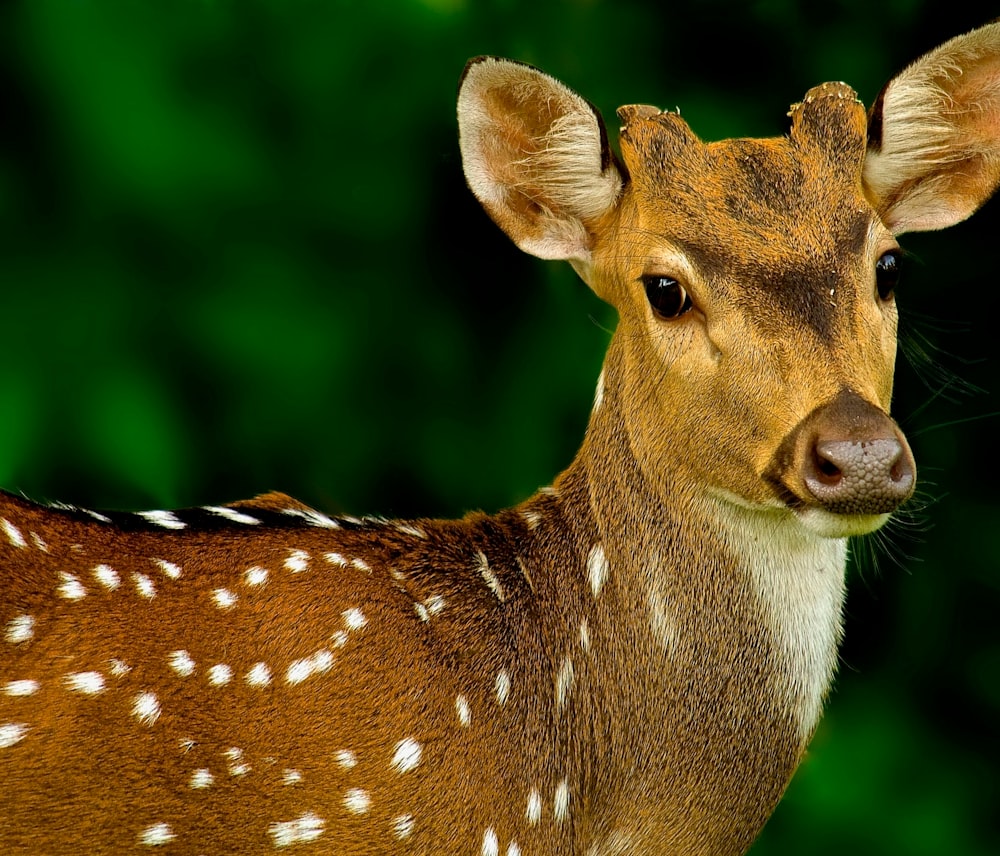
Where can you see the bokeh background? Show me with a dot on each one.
(237, 254)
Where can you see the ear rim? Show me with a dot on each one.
(567, 236)
(920, 185)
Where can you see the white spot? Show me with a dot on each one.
(503, 687)
(118, 667)
(102, 518)
(297, 561)
(232, 514)
(346, 759)
(166, 519)
(339, 638)
(549, 490)
(107, 577)
(21, 628)
(585, 635)
(597, 569)
(186, 744)
(224, 598)
(407, 755)
(255, 576)
(202, 778)
(306, 828)
(560, 804)
(357, 801)
(491, 847)
(435, 603)
(13, 533)
(11, 733)
(169, 568)
(70, 587)
(87, 683)
(490, 578)
(144, 585)
(402, 826)
(336, 559)
(181, 662)
(513, 849)
(291, 777)
(315, 664)
(532, 518)
(220, 674)
(410, 529)
(564, 681)
(463, 710)
(534, 812)
(146, 708)
(21, 688)
(599, 392)
(157, 834)
(237, 767)
(39, 542)
(354, 619)
(422, 612)
(354, 521)
(259, 675)
(361, 565)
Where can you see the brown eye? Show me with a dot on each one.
(887, 270)
(667, 296)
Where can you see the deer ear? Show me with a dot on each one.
(934, 135)
(536, 156)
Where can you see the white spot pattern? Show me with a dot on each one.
(407, 755)
(202, 778)
(107, 577)
(237, 767)
(157, 834)
(21, 628)
(146, 708)
(422, 612)
(336, 559)
(411, 529)
(12, 733)
(232, 514)
(166, 519)
(13, 533)
(39, 542)
(291, 777)
(255, 576)
(169, 568)
(560, 803)
(118, 667)
(346, 759)
(491, 847)
(599, 392)
(534, 812)
(181, 662)
(354, 619)
(70, 587)
(513, 849)
(597, 569)
(585, 635)
(532, 518)
(259, 675)
(307, 827)
(297, 561)
(435, 604)
(402, 826)
(21, 688)
(224, 598)
(490, 578)
(144, 585)
(503, 687)
(316, 664)
(564, 681)
(361, 565)
(220, 674)
(357, 801)
(86, 683)
(463, 710)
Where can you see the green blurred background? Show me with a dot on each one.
(237, 254)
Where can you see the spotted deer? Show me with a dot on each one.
(631, 661)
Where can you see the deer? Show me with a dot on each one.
(631, 661)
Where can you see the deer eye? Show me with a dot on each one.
(667, 296)
(887, 270)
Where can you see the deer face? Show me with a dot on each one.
(750, 278)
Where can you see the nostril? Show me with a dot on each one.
(826, 468)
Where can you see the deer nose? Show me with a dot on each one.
(869, 476)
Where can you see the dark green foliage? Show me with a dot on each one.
(237, 254)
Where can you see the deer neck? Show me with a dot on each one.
(708, 619)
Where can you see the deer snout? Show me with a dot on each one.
(847, 457)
